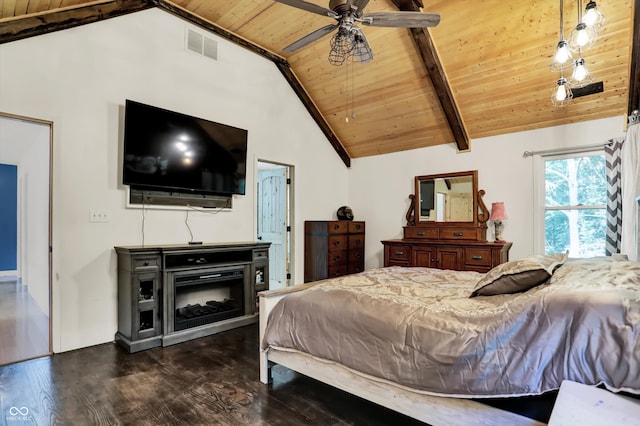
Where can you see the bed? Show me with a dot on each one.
(431, 343)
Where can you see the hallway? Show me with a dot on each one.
(24, 328)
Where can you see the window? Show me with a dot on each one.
(575, 204)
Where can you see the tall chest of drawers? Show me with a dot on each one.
(333, 248)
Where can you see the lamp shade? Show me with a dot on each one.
(497, 211)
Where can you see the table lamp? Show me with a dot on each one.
(497, 216)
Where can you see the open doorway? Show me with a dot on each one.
(274, 201)
(25, 238)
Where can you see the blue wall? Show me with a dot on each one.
(8, 217)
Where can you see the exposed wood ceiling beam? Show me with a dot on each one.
(438, 77)
(64, 18)
(280, 62)
(634, 72)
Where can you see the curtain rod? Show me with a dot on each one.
(573, 150)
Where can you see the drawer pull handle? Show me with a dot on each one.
(146, 263)
(422, 234)
(476, 257)
(336, 243)
(336, 258)
(357, 255)
(458, 234)
(399, 253)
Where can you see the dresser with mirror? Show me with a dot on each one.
(446, 227)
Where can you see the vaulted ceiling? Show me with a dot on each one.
(483, 71)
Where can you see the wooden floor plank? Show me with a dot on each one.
(24, 328)
(211, 380)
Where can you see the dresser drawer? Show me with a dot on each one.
(338, 227)
(356, 241)
(338, 258)
(355, 268)
(356, 257)
(337, 270)
(417, 232)
(145, 263)
(477, 257)
(337, 242)
(356, 227)
(458, 234)
(399, 253)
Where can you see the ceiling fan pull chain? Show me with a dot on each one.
(346, 92)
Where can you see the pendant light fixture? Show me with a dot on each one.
(592, 16)
(563, 53)
(562, 94)
(583, 36)
(581, 75)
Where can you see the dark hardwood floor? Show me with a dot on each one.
(207, 381)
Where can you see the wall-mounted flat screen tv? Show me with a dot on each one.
(174, 152)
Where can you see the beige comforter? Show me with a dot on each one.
(419, 328)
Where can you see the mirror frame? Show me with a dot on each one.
(474, 177)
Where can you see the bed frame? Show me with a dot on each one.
(434, 410)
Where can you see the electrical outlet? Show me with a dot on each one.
(99, 215)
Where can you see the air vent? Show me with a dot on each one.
(202, 45)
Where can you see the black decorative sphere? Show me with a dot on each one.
(345, 213)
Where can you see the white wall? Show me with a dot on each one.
(379, 186)
(79, 79)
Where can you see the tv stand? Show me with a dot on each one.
(173, 293)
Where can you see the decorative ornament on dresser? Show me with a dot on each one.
(344, 213)
(498, 214)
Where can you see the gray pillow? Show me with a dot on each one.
(518, 275)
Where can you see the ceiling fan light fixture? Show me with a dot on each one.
(561, 95)
(582, 37)
(592, 16)
(562, 57)
(581, 75)
(361, 50)
(342, 44)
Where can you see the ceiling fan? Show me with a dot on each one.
(350, 41)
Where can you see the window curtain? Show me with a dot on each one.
(613, 153)
(630, 179)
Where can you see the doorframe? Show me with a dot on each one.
(50, 216)
(290, 212)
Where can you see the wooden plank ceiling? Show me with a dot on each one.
(495, 56)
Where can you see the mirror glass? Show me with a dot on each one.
(446, 198)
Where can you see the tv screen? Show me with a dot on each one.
(169, 151)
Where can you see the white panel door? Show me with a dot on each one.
(272, 221)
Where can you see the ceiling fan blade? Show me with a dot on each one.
(359, 5)
(401, 19)
(309, 7)
(310, 38)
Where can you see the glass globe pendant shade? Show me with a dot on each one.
(592, 16)
(562, 56)
(582, 37)
(581, 75)
(561, 95)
